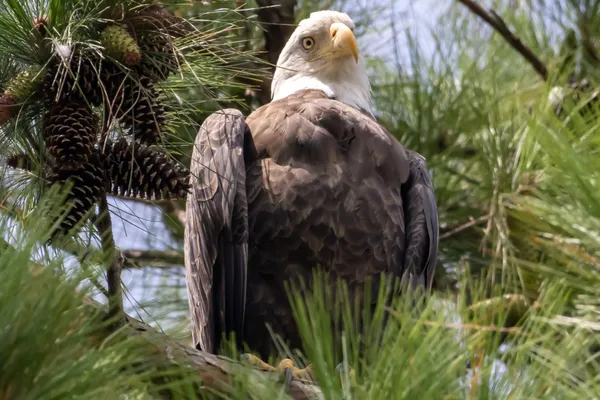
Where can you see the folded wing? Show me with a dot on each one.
(216, 230)
(422, 227)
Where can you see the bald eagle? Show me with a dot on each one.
(309, 179)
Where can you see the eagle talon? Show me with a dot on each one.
(285, 368)
(257, 362)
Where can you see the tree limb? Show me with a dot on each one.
(91, 253)
(496, 22)
(166, 258)
(277, 18)
(112, 261)
(215, 372)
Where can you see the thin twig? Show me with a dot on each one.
(476, 367)
(463, 227)
(396, 34)
(496, 22)
(112, 259)
(168, 206)
(474, 327)
(163, 258)
(99, 286)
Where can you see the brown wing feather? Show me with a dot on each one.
(216, 230)
(422, 227)
(309, 130)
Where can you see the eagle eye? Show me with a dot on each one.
(308, 43)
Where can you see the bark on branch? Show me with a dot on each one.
(496, 22)
(215, 372)
(112, 261)
(277, 18)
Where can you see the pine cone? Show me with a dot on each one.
(155, 28)
(120, 45)
(87, 187)
(159, 60)
(79, 81)
(142, 112)
(135, 102)
(156, 18)
(115, 82)
(17, 91)
(144, 172)
(24, 84)
(70, 133)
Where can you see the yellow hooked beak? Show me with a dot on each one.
(343, 39)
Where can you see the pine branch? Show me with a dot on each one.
(496, 22)
(112, 260)
(458, 229)
(154, 258)
(278, 21)
(216, 372)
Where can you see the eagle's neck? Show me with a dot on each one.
(349, 84)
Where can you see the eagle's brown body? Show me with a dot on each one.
(305, 181)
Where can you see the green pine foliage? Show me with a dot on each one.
(55, 342)
(515, 307)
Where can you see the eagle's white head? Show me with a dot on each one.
(322, 54)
